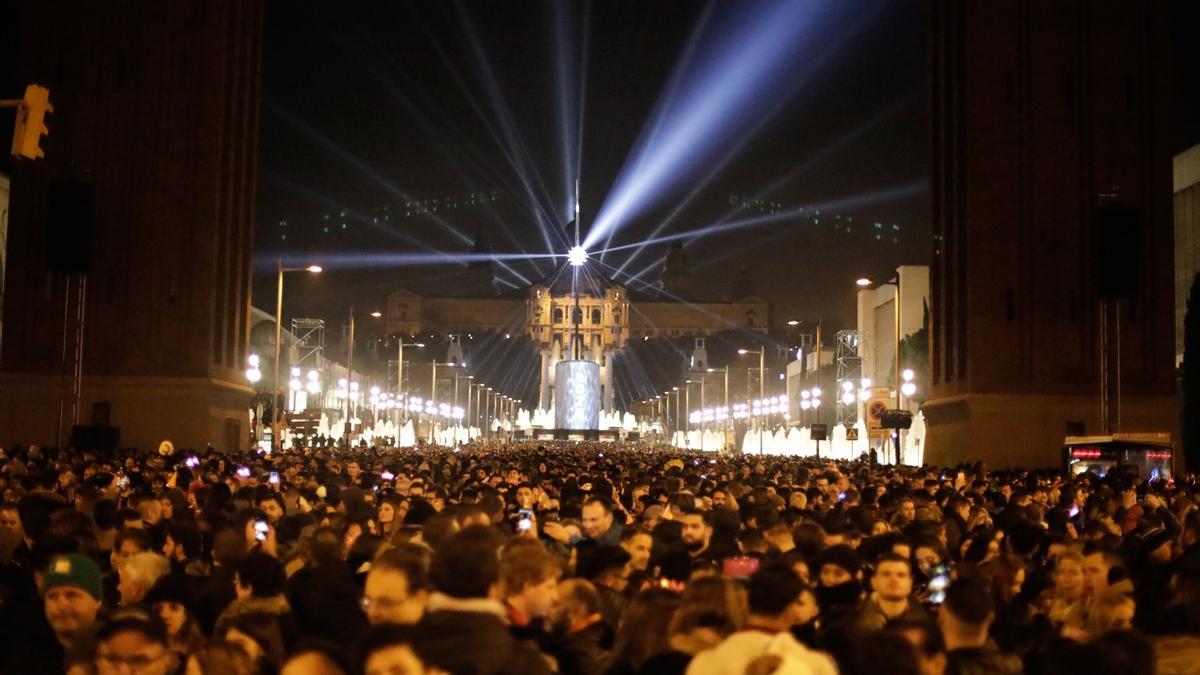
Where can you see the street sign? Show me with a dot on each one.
(818, 432)
(852, 433)
(876, 407)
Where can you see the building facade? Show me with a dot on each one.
(1042, 113)
(877, 321)
(156, 108)
(610, 316)
(1187, 235)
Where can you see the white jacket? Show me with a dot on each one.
(739, 650)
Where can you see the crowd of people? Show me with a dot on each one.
(585, 558)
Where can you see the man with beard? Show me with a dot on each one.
(637, 542)
(577, 630)
(697, 534)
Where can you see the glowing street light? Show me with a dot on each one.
(253, 373)
(909, 387)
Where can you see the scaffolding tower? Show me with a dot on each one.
(849, 369)
(310, 341)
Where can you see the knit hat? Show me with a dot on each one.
(1153, 540)
(76, 570)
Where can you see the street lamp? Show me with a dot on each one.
(909, 387)
(279, 271)
(725, 399)
(761, 377)
(433, 385)
(400, 345)
(677, 400)
(351, 394)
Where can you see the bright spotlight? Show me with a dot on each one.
(577, 256)
(315, 269)
(863, 282)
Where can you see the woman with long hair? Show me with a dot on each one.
(643, 632)
(710, 610)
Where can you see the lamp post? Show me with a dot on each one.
(279, 271)
(864, 282)
(400, 345)
(487, 413)
(762, 369)
(350, 385)
(433, 387)
(468, 378)
(677, 401)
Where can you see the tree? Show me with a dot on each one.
(1190, 421)
(914, 354)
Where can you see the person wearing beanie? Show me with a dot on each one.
(172, 598)
(839, 589)
(72, 589)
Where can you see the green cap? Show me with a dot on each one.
(76, 570)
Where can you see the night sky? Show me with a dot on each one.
(368, 105)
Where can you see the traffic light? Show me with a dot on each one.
(31, 122)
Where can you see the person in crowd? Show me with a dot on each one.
(608, 568)
(1067, 602)
(258, 633)
(397, 587)
(529, 577)
(839, 583)
(964, 618)
(774, 600)
(133, 640)
(463, 627)
(631, 538)
(323, 595)
(891, 595)
(220, 657)
(638, 543)
(389, 649)
(184, 549)
(172, 598)
(577, 632)
(599, 522)
(139, 572)
(710, 609)
(642, 633)
(72, 591)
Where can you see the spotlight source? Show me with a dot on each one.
(577, 256)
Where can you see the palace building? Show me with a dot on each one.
(610, 316)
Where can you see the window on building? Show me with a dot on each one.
(558, 315)
(595, 316)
